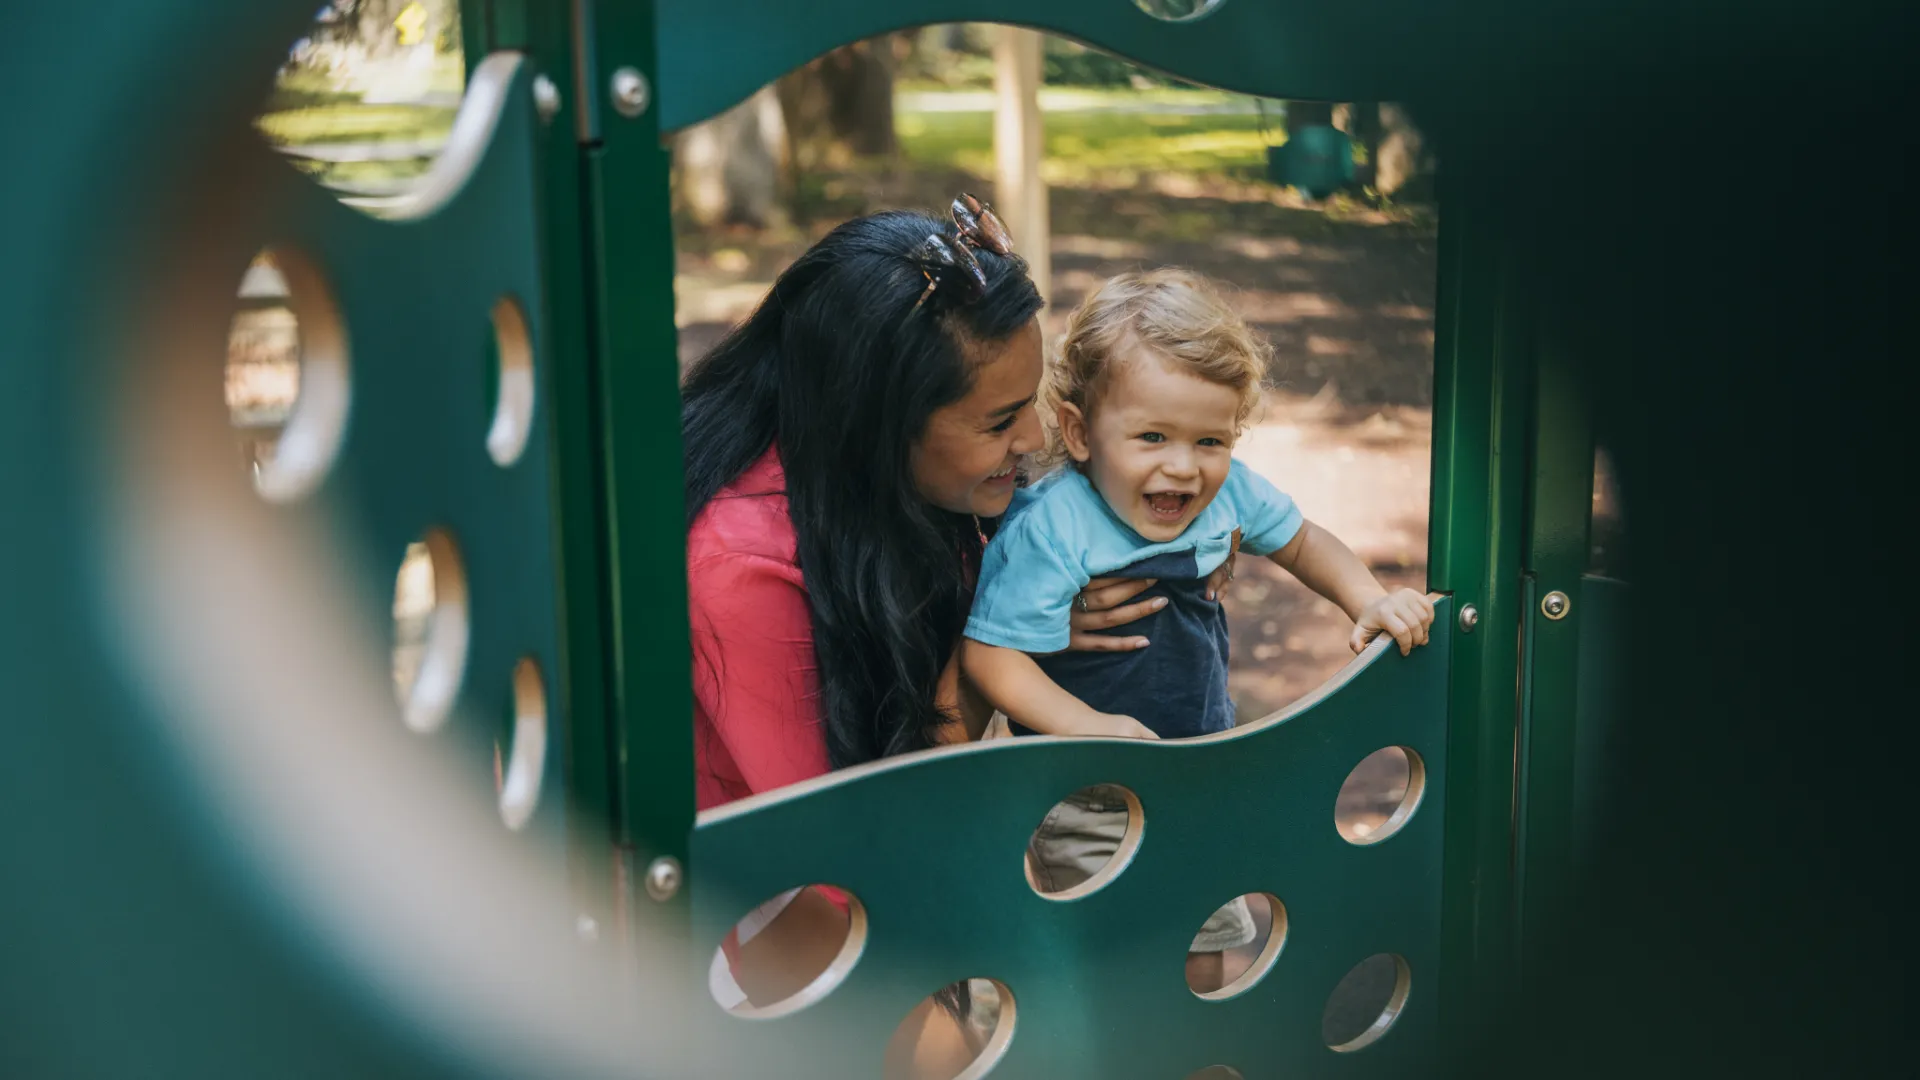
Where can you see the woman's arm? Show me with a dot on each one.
(1015, 684)
(1330, 568)
(754, 674)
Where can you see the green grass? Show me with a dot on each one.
(1090, 145)
(307, 110)
(354, 122)
(309, 107)
(1084, 145)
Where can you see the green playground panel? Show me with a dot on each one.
(933, 848)
(565, 564)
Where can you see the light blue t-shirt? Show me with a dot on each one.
(1060, 534)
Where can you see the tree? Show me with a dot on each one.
(736, 167)
(728, 169)
(372, 25)
(1400, 156)
(375, 25)
(840, 106)
(1396, 151)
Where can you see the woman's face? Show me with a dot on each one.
(964, 461)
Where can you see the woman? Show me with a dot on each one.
(846, 445)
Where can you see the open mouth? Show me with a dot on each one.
(1004, 474)
(1167, 506)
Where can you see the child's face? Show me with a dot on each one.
(1158, 445)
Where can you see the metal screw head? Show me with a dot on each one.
(663, 877)
(630, 92)
(546, 98)
(1555, 605)
(1469, 618)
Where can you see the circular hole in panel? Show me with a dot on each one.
(1084, 842)
(365, 104)
(1380, 795)
(512, 383)
(286, 374)
(958, 1033)
(430, 631)
(1217, 1072)
(1366, 1002)
(526, 758)
(789, 952)
(1237, 946)
(1177, 10)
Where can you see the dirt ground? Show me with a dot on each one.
(1347, 302)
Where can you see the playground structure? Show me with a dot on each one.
(318, 848)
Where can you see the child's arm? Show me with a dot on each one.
(1016, 686)
(1330, 568)
(960, 697)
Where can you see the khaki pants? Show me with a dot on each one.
(1080, 835)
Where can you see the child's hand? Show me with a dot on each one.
(1403, 613)
(1110, 725)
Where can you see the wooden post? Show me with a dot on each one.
(1020, 195)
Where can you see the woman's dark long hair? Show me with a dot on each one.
(839, 370)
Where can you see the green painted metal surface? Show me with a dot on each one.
(1559, 509)
(713, 56)
(637, 379)
(543, 31)
(1480, 422)
(139, 938)
(148, 897)
(1600, 701)
(414, 457)
(933, 846)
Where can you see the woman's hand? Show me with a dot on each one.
(1104, 604)
(1403, 613)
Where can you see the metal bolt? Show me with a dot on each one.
(663, 878)
(1469, 618)
(630, 92)
(1555, 605)
(546, 98)
(587, 928)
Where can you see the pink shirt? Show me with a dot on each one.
(756, 689)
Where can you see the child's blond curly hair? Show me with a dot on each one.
(1173, 314)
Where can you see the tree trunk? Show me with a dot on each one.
(1017, 148)
(377, 33)
(840, 106)
(729, 168)
(1395, 150)
(1363, 124)
(1399, 158)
